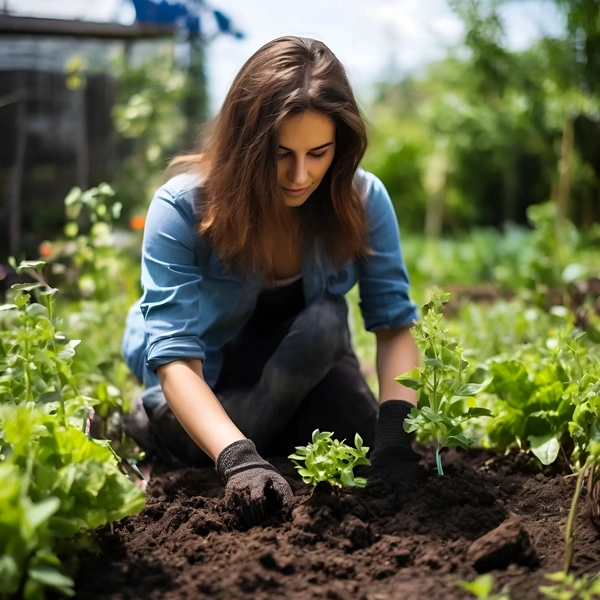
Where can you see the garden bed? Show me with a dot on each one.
(373, 544)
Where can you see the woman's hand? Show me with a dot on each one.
(254, 489)
(392, 458)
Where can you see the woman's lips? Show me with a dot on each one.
(297, 192)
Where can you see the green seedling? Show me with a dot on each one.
(330, 460)
(569, 587)
(482, 588)
(588, 468)
(443, 384)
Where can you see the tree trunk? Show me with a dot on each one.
(565, 170)
(435, 184)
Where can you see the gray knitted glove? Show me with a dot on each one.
(254, 489)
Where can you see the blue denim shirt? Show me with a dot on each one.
(193, 305)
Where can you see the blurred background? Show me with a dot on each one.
(478, 109)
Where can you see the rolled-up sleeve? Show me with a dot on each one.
(383, 279)
(170, 279)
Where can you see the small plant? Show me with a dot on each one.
(482, 588)
(569, 587)
(330, 460)
(442, 385)
(588, 468)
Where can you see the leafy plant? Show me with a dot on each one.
(482, 588)
(443, 384)
(330, 460)
(94, 273)
(57, 482)
(541, 392)
(570, 587)
(151, 119)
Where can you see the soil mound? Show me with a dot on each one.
(411, 542)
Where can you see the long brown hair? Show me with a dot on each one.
(240, 199)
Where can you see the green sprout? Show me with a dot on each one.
(444, 384)
(330, 460)
(570, 587)
(482, 588)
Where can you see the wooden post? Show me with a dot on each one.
(435, 184)
(16, 183)
(565, 169)
(81, 145)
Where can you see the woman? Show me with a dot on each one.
(241, 336)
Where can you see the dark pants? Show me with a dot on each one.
(290, 371)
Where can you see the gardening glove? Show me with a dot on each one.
(392, 458)
(254, 489)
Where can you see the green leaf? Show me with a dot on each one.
(42, 511)
(73, 196)
(545, 447)
(53, 578)
(69, 350)
(65, 526)
(9, 574)
(38, 265)
(480, 587)
(460, 441)
(410, 382)
(297, 456)
(27, 287)
(470, 389)
(433, 362)
(478, 412)
(431, 415)
(559, 576)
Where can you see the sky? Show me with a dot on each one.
(372, 38)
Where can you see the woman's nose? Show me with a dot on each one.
(298, 173)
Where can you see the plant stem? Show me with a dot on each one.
(571, 519)
(438, 462)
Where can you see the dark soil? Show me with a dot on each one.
(373, 544)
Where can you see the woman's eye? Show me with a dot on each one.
(313, 155)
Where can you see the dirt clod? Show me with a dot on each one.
(509, 543)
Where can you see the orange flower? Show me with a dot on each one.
(137, 222)
(45, 249)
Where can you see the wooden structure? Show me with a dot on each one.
(53, 138)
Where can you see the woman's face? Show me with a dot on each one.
(306, 150)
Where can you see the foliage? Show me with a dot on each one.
(330, 460)
(482, 588)
(443, 384)
(478, 137)
(540, 394)
(148, 114)
(551, 259)
(570, 587)
(59, 481)
(91, 271)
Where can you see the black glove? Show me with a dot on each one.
(392, 457)
(254, 489)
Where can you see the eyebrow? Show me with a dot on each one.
(312, 149)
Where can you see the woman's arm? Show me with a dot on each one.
(196, 407)
(254, 489)
(397, 353)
